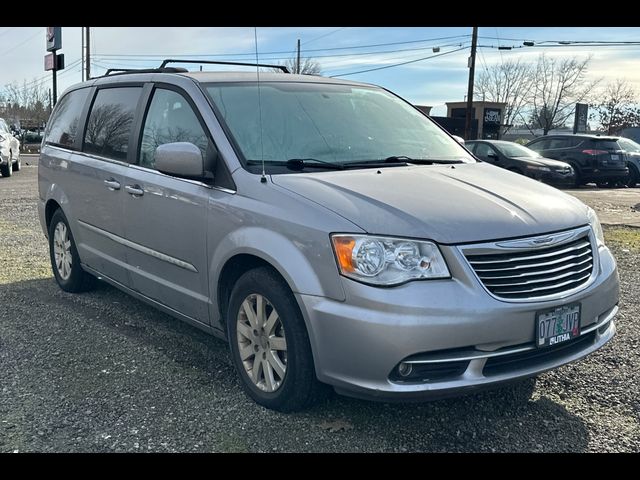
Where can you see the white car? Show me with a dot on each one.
(9, 151)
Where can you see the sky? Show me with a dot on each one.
(339, 50)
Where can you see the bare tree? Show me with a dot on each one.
(558, 84)
(509, 83)
(618, 107)
(25, 102)
(308, 66)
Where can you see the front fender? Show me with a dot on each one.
(285, 255)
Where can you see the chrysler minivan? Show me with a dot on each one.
(333, 234)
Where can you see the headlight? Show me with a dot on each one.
(387, 261)
(538, 168)
(595, 226)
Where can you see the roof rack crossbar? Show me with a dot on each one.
(123, 71)
(215, 62)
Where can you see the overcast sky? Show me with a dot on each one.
(432, 81)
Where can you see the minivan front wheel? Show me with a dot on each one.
(65, 261)
(269, 343)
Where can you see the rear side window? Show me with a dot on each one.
(63, 125)
(539, 145)
(110, 122)
(559, 143)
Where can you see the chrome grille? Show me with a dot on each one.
(536, 272)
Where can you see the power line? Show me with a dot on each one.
(21, 43)
(281, 52)
(325, 35)
(336, 55)
(399, 64)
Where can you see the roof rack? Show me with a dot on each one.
(122, 71)
(214, 62)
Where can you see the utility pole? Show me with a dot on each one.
(298, 60)
(50, 105)
(82, 52)
(55, 84)
(472, 70)
(87, 60)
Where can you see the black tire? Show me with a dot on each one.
(299, 388)
(634, 176)
(6, 170)
(78, 280)
(577, 181)
(18, 165)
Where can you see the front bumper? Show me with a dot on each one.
(556, 178)
(358, 343)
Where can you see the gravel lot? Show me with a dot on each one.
(102, 372)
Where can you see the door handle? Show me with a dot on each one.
(134, 190)
(112, 184)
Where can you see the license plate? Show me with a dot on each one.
(557, 325)
(615, 158)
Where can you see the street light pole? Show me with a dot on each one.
(472, 69)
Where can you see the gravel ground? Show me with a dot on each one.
(102, 372)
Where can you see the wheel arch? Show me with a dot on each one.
(252, 247)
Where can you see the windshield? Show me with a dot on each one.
(329, 123)
(510, 149)
(629, 145)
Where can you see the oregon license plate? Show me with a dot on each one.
(557, 325)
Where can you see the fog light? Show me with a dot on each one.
(405, 369)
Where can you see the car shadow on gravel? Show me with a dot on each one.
(103, 351)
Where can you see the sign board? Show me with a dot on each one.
(54, 39)
(49, 61)
(492, 116)
(580, 122)
(53, 61)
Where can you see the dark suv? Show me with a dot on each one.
(594, 158)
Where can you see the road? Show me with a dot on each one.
(102, 372)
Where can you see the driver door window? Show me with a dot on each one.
(170, 119)
(483, 151)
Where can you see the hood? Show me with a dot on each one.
(541, 161)
(446, 203)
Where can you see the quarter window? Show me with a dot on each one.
(63, 125)
(111, 121)
(170, 119)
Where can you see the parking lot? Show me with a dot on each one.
(101, 372)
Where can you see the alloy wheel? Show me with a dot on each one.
(62, 250)
(262, 343)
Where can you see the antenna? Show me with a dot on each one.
(263, 179)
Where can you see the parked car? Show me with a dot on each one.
(522, 160)
(594, 158)
(9, 151)
(632, 151)
(332, 233)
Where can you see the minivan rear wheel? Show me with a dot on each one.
(65, 261)
(269, 343)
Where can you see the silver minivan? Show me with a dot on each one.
(331, 232)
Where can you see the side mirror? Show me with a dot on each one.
(182, 159)
(460, 140)
(493, 156)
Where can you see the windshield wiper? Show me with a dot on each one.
(301, 163)
(420, 161)
(398, 161)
